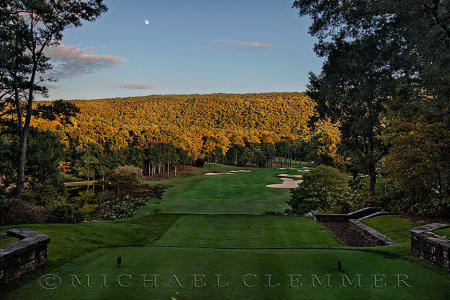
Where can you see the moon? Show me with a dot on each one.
(147, 22)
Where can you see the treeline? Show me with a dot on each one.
(164, 160)
(197, 124)
(162, 134)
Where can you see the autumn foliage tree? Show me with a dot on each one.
(27, 29)
(418, 164)
(200, 125)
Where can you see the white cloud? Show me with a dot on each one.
(52, 86)
(135, 86)
(72, 61)
(147, 22)
(221, 44)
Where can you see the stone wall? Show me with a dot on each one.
(431, 246)
(371, 236)
(23, 256)
(350, 230)
(345, 217)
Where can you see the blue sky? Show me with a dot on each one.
(197, 46)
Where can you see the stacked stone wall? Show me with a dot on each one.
(346, 217)
(430, 246)
(23, 256)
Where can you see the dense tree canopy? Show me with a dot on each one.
(385, 59)
(27, 29)
(198, 124)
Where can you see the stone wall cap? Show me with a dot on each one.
(428, 227)
(29, 239)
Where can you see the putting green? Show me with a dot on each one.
(247, 232)
(239, 193)
(233, 265)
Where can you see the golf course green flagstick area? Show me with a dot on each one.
(220, 252)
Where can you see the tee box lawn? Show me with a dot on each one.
(224, 256)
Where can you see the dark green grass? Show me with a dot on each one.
(68, 241)
(224, 244)
(276, 163)
(7, 240)
(397, 229)
(443, 232)
(240, 193)
(80, 183)
(233, 265)
(71, 178)
(247, 232)
(393, 227)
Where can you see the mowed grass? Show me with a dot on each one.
(393, 227)
(443, 232)
(233, 265)
(397, 229)
(68, 241)
(231, 245)
(247, 232)
(240, 193)
(7, 240)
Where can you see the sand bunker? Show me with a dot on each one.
(228, 173)
(303, 170)
(291, 176)
(288, 183)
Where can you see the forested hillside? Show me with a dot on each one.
(198, 124)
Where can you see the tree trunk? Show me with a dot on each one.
(371, 167)
(26, 127)
(22, 157)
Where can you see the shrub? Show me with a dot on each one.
(41, 193)
(120, 196)
(199, 163)
(16, 211)
(63, 213)
(129, 170)
(324, 189)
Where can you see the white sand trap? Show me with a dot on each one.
(290, 176)
(227, 173)
(296, 176)
(282, 168)
(303, 170)
(288, 183)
